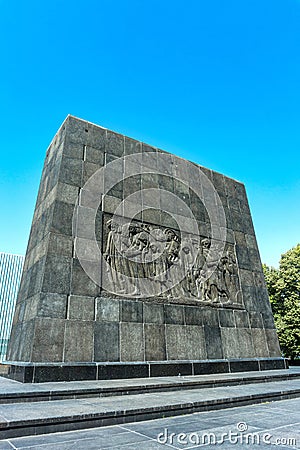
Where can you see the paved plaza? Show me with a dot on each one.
(263, 426)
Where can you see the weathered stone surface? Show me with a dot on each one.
(48, 340)
(96, 288)
(259, 342)
(84, 223)
(210, 317)
(272, 342)
(237, 343)
(131, 311)
(81, 284)
(34, 280)
(241, 319)
(176, 342)
(132, 146)
(193, 315)
(214, 347)
(52, 305)
(195, 343)
(107, 309)
(174, 314)
(79, 341)
(230, 342)
(153, 313)
(132, 342)
(71, 171)
(81, 308)
(25, 337)
(246, 344)
(256, 320)
(94, 155)
(57, 274)
(73, 150)
(155, 342)
(67, 193)
(226, 318)
(60, 244)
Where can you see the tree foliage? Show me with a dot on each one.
(284, 290)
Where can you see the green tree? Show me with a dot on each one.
(284, 290)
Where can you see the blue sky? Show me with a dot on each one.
(217, 82)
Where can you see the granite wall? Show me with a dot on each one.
(62, 315)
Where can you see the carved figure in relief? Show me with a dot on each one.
(209, 279)
(158, 264)
(220, 286)
(172, 247)
(228, 276)
(206, 282)
(136, 252)
(169, 258)
(135, 255)
(184, 267)
(128, 265)
(197, 273)
(112, 255)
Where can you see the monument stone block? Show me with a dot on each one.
(139, 263)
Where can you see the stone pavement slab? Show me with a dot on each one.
(273, 425)
(20, 419)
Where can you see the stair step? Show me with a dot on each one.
(23, 419)
(12, 391)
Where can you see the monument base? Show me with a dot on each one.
(47, 372)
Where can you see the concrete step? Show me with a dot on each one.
(23, 419)
(12, 391)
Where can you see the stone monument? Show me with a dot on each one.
(139, 263)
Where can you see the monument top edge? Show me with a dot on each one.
(71, 116)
